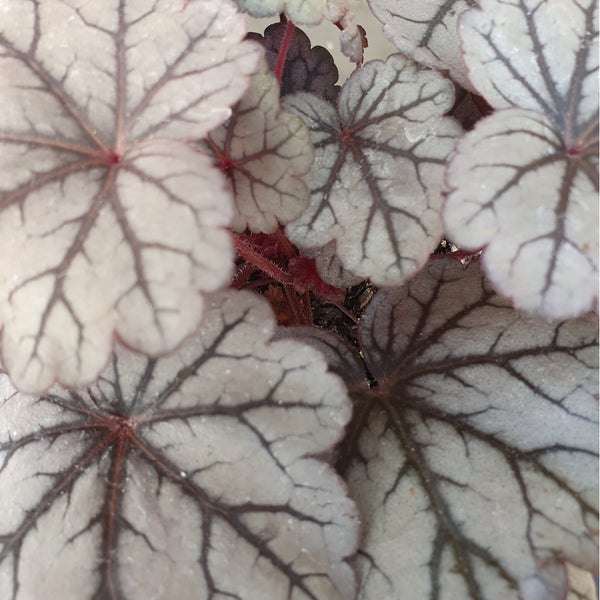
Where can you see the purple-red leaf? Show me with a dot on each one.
(311, 13)
(305, 69)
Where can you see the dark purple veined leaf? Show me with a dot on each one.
(306, 69)
(376, 183)
(341, 357)
(474, 457)
(184, 477)
(468, 108)
(264, 150)
(524, 182)
(105, 227)
(426, 31)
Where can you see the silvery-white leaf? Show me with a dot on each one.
(524, 182)
(187, 477)
(426, 31)
(264, 150)
(376, 183)
(105, 226)
(474, 456)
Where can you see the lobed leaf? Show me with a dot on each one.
(301, 12)
(545, 61)
(306, 69)
(524, 182)
(426, 31)
(474, 458)
(105, 227)
(376, 183)
(184, 477)
(265, 151)
(515, 191)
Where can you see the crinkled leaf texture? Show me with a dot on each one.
(376, 183)
(106, 224)
(181, 477)
(426, 31)
(265, 150)
(474, 459)
(306, 68)
(525, 180)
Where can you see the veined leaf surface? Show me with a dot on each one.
(265, 150)
(426, 31)
(105, 226)
(184, 477)
(474, 457)
(525, 181)
(376, 183)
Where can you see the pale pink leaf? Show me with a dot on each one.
(129, 259)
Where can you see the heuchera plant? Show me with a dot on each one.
(236, 363)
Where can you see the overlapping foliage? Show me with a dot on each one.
(146, 157)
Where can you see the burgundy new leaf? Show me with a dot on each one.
(306, 68)
(311, 13)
